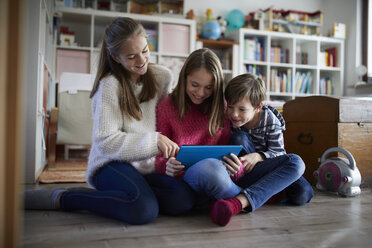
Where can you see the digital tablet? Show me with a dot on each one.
(189, 155)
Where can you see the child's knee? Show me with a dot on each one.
(298, 163)
(300, 192)
(143, 210)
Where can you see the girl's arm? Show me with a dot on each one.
(108, 121)
(164, 127)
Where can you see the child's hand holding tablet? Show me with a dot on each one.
(189, 155)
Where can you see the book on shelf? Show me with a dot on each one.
(326, 86)
(254, 49)
(281, 81)
(331, 56)
(303, 82)
(302, 58)
(255, 70)
(279, 55)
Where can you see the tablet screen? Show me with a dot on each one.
(189, 155)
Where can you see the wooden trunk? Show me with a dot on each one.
(314, 124)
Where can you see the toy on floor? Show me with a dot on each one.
(338, 174)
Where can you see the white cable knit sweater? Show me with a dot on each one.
(117, 138)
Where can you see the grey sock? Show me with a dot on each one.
(42, 198)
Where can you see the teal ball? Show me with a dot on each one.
(235, 19)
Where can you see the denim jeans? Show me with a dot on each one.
(269, 177)
(124, 194)
(299, 192)
(210, 177)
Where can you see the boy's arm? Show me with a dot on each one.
(275, 144)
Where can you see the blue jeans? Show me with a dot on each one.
(210, 177)
(269, 177)
(299, 192)
(124, 194)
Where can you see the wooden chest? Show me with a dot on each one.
(316, 123)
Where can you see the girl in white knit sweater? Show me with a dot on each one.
(124, 142)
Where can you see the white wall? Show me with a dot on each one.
(344, 11)
(348, 12)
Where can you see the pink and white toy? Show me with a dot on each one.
(338, 174)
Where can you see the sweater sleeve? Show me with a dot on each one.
(163, 126)
(274, 134)
(275, 143)
(108, 120)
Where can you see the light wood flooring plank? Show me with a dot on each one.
(328, 221)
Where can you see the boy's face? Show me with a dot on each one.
(242, 112)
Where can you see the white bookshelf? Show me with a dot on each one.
(175, 36)
(227, 51)
(290, 45)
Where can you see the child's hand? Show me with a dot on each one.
(232, 164)
(249, 161)
(173, 167)
(167, 146)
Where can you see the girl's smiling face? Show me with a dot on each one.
(135, 56)
(199, 85)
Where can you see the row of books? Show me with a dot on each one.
(256, 70)
(302, 58)
(326, 86)
(281, 80)
(329, 57)
(279, 55)
(303, 81)
(254, 49)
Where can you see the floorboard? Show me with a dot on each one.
(328, 221)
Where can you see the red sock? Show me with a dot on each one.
(277, 198)
(223, 210)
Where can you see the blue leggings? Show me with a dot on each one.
(123, 193)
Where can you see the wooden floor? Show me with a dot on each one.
(328, 221)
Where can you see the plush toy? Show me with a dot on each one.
(223, 24)
(209, 14)
(338, 174)
(190, 14)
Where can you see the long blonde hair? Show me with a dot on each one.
(116, 35)
(214, 105)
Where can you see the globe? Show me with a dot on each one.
(211, 30)
(235, 19)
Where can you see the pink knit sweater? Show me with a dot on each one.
(192, 130)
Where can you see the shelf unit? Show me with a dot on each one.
(227, 51)
(286, 60)
(173, 38)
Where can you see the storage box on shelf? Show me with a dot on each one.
(89, 25)
(291, 64)
(174, 7)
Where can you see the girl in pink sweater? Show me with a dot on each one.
(193, 114)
